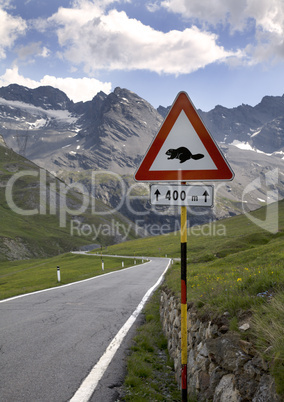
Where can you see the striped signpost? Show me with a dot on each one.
(183, 151)
(183, 253)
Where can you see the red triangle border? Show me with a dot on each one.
(223, 171)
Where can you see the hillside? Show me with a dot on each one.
(40, 215)
(235, 281)
(210, 241)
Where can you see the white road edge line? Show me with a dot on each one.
(89, 384)
(72, 283)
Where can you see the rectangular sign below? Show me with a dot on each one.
(182, 195)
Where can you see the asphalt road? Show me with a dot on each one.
(50, 341)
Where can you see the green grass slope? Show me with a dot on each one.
(210, 241)
(26, 276)
(234, 266)
(40, 234)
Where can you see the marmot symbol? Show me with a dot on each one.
(183, 154)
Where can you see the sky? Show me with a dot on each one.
(221, 52)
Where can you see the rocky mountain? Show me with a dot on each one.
(261, 126)
(111, 133)
(42, 97)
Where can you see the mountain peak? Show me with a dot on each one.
(112, 131)
(45, 97)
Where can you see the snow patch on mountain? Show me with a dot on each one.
(62, 115)
(245, 146)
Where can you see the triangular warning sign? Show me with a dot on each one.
(183, 149)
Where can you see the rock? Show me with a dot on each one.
(247, 384)
(250, 370)
(2, 142)
(266, 391)
(225, 351)
(224, 329)
(226, 390)
(247, 347)
(204, 381)
(221, 367)
(203, 351)
(260, 363)
(244, 327)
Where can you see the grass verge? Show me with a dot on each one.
(150, 375)
(248, 281)
(268, 330)
(234, 266)
(25, 276)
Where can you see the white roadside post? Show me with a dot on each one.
(58, 274)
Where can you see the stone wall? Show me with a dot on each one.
(221, 366)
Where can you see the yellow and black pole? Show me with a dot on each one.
(184, 303)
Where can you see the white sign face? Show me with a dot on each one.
(183, 150)
(181, 195)
(194, 152)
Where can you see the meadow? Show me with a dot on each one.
(25, 276)
(239, 270)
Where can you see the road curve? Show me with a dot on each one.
(51, 341)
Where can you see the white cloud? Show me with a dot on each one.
(45, 52)
(12, 76)
(152, 6)
(210, 11)
(267, 15)
(10, 29)
(5, 4)
(32, 49)
(113, 41)
(77, 89)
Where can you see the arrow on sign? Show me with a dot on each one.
(157, 193)
(172, 195)
(205, 194)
